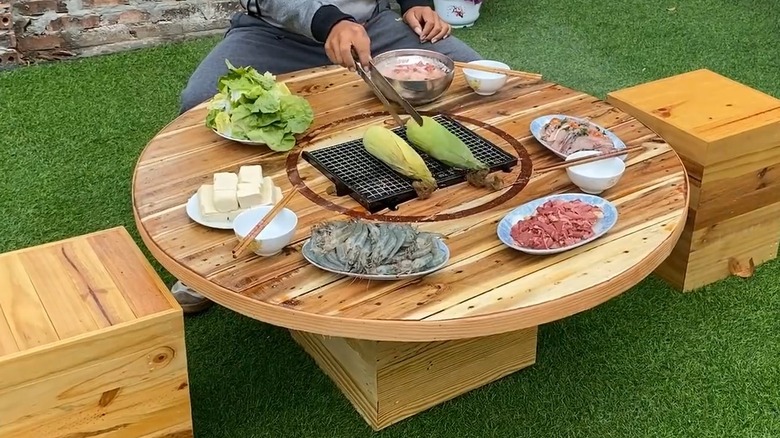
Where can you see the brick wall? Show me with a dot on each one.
(40, 30)
(34, 30)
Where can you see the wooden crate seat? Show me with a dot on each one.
(91, 343)
(728, 136)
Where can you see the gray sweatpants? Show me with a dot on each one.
(252, 42)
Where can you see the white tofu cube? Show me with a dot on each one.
(268, 190)
(207, 209)
(277, 194)
(225, 181)
(251, 175)
(206, 202)
(225, 200)
(249, 195)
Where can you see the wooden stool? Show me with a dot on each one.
(91, 343)
(728, 136)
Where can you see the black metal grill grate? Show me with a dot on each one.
(376, 186)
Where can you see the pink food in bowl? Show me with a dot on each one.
(419, 71)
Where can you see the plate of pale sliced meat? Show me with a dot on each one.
(564, 135)
(557, 223)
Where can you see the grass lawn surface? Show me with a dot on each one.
(651, 363)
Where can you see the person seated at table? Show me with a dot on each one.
(281, 36)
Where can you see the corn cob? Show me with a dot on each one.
(392, 150)
(441, 144)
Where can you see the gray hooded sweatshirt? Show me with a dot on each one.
(315, 18)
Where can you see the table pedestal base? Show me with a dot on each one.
(389, 381)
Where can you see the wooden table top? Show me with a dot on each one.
(486, 288)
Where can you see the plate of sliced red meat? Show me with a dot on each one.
(564, 135)
(557, 223)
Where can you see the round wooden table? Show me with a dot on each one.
(397, 348)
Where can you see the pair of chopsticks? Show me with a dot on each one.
(257, 229)
(515, 73)
(590, 159)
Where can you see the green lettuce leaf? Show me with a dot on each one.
(287, 143)
(253, 106)
(270, 136)
(297, 112)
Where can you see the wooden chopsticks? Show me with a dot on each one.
(590, 159)
(257, 229)
(515, 73)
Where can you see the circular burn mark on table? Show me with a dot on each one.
(523, 177)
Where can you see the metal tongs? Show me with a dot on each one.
(388, 88)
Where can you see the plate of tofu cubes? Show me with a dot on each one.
(216, 205)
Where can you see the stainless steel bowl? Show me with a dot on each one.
(416, 92)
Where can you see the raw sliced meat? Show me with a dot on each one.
(557, 224)
(568, 136)
(420, 71)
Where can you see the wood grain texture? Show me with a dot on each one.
(728, 136)
(387, 382)
(93, 344)
(75, 286)
(485, 289)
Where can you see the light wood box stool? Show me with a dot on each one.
(728, 136)
(91, 343)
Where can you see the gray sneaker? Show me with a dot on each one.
(189, 300)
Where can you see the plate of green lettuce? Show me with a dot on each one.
(255, 109)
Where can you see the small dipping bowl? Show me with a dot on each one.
(274, 236)
(597, 176)
(482, 82)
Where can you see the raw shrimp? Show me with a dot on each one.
(375, 248)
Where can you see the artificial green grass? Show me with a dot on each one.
(651, 363)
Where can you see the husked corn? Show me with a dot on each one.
(392, 150)
(436, 141)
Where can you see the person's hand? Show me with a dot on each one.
(427, 23)
(342, 37)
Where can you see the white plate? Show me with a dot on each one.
(537, 127)
(306, 251)
(247, 142)
(504, 229)
(193, 211)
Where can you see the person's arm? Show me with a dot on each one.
(311, 18)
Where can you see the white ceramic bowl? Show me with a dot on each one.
(597, 176)
(274, 237)
(482, 82)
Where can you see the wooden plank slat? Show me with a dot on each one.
(27, 318)
(7, 342)
(131, 273)
(69, 312)
(95, 285)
